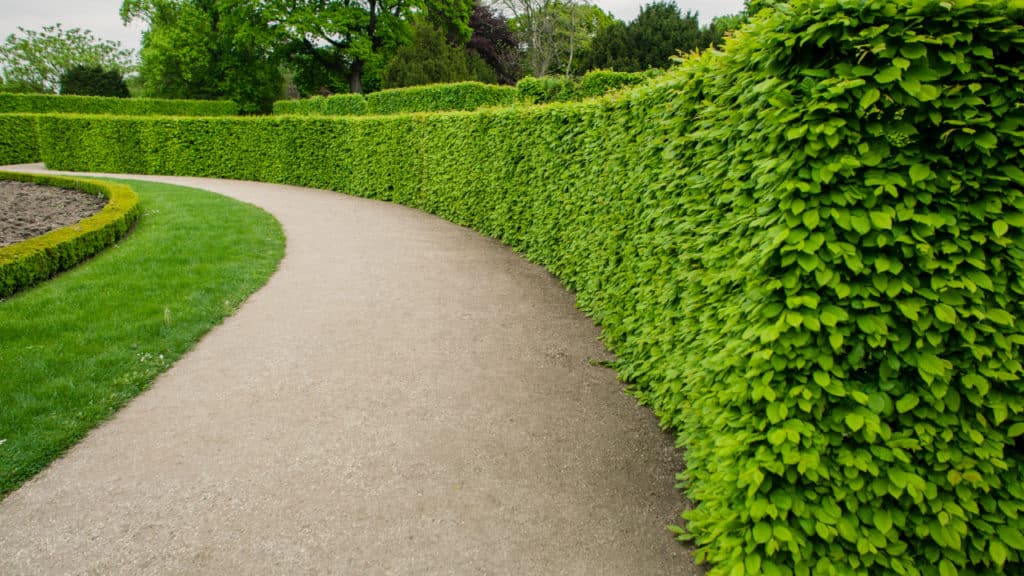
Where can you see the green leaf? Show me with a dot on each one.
(919, 173)
(854, 421)
(946, 313)
(997, 551)
(869, 98)
(881, 220)
(762, 532)
(1011, 536)
(946, 568)
(907, 403)
(1015, 430)
(883, 520)
(888, 75)
(1000, 227)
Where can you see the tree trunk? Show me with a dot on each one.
(355, 77)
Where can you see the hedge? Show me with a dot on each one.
(36, 259)
(595, 83)
(19, 138)
(805, 250)
(440, 97)
(68, 104)
(334, 105)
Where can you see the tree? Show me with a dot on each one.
(428, 59)
(93, 81)
(34, 61)
(495, 43)
(348, 38)
(207, 49)
(649, 41)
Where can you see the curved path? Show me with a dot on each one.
(403, 397)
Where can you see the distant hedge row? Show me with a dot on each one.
(66, 104)
(430, 98)
(806, 252)
(595, 83)
(36, 259)
(19, 138)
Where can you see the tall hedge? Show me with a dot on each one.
(439, 97)
(19, 138)
(334, 105)
(806, 251)
(70, 104)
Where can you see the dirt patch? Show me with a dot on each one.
(28, 210)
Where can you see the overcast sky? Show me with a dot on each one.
(101, 16)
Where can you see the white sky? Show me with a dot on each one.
(101, 16)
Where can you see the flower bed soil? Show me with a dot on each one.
(28, 210)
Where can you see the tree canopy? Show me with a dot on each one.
(659, 32)
(93, 81)
(33, 61)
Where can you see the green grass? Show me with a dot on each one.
(76, 348)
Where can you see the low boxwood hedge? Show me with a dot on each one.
(68, 104)
(36, 259)
(806, 251)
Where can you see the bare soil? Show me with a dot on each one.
(28, 210)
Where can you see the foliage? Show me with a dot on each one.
(93, 81)
(48, 103)
(555, 32)
(100, 333)
(352, 38)
(334, 105)
(494, 42)
(592, 84)
(33, 61)
(657, 34)
(805, 251)
(428, 59)
(19, 136)
(206, 49)
(437, 97)
(36, 259)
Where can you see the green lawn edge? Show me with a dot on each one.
(80, 346)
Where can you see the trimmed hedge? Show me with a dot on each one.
(595, 83)
(69, 104)
(334, 105)
(36, 259)
(19, 138)
(805, 250)
(440, 97)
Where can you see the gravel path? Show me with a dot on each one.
(28, 209)
(403, 397)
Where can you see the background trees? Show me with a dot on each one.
(657, 34)
(33, 61)
(93, 81)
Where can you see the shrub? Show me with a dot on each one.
(49, 103)
(19, 138)
(93, 81)
(334, 105)
(438, 97)
(592, 84)
(36, 259)
(805, 250)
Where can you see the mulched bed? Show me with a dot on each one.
(28, 210)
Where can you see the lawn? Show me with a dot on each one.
(78, 347)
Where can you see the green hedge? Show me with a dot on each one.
(67, 104)
(19, 138)
(36, 259)
(439, 97)
(592, 84)
(334, 105)
(806, 252)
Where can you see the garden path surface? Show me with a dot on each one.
(403, 397)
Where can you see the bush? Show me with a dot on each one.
(592, 84)
(49, 103)
(36, 259)
(334, 105)
(805, 250)
(438, 97)
(19, 139)
(93, 81)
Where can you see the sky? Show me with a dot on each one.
(101, 16)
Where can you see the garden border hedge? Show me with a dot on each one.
(69, 104)
(36, 259)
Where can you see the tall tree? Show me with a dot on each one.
(34, 60)
(346, 37)
(495, 43)
(649, 41)
(428, 59)
(206, 49)
(93, 81)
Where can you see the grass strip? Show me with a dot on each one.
(78, 347)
